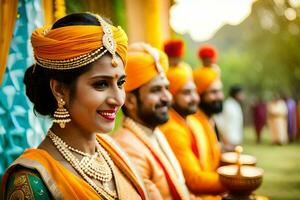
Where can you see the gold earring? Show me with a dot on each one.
(61, 115)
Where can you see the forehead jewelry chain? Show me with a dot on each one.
(90, 166)
(108, 39)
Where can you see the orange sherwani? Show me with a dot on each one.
(194, 150)
(158, 170)
(63, 184)
(213, 145)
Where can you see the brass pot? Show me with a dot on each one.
(240, 179)
(230, 158)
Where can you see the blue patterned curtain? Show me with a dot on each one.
(19, 127)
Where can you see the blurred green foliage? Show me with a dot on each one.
(261, 53)
(114, 10)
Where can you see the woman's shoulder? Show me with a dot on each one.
(31, 156)
(25, 183)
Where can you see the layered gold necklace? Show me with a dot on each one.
(98, 166)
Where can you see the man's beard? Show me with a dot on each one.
(153, 118)
(191, 109)
(211, 108)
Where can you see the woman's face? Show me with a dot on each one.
(99, 95)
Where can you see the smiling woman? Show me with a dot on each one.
(99, 95)
(78, 81)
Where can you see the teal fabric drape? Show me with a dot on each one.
(19, 127)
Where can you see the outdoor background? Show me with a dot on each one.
(260, 51)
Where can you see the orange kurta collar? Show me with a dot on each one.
(175, 116)
(123, 163)
(176, 192)
(210, 133)
(183, 123)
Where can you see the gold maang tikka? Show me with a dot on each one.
(61, 115)
(108, 39)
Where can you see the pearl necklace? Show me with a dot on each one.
(95, 165)
(89, 166)
(80, 152)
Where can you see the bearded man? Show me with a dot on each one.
(146, 106)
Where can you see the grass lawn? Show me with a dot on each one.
(281, 164)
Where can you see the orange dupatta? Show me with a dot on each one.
(62, 183)
(213, 148)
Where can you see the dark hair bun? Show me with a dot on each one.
(38, 90)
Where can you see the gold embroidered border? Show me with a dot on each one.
(51, 185)
(21, 188)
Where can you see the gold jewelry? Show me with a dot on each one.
(61, 115)
(103, 190)
(80, 152)
(109, 44)
(93, 166)
(108, 39)
(73, 62)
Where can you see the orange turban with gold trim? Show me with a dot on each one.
(72, 41)
(143, 64)
(204, 77)
(178, 77)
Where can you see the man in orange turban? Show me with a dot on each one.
(209, 89)
(189, 142)
(174, 48)
(146, 106)
(208, 56)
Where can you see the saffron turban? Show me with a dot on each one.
(178, 77)
(174, 48)
(207, 51)
(186, 66)
(204, 77)
(143, 64)
(73, 41)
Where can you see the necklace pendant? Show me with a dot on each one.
(96, 167)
